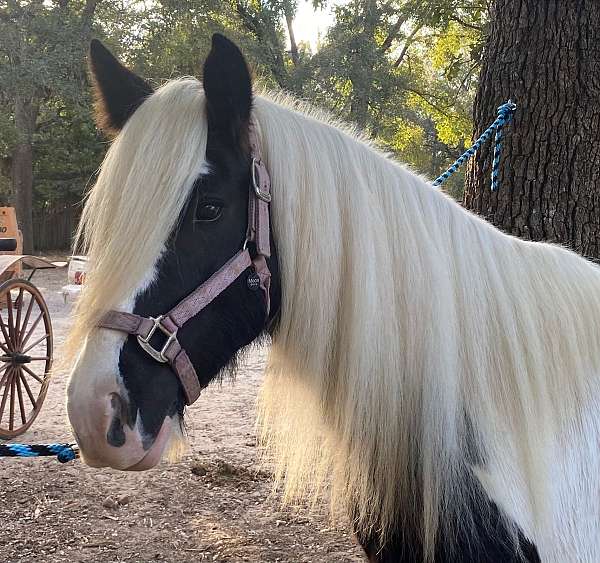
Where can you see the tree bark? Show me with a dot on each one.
(26, 111)
(263, 28)
(545, 56)
(289, 20)
(364, 55)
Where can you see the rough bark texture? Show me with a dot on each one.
(545, 55)
(26, 112)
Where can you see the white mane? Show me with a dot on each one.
(143, 185)
(416, 341)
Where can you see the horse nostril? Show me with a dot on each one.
(116, 434)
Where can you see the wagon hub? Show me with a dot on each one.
(16, 358)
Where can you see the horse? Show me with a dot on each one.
(435, 377)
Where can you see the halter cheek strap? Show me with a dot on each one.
(145, 328)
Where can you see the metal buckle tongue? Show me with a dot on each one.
(159, 356)
(260, 194)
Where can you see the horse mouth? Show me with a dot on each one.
(131, 456)
(156, 451)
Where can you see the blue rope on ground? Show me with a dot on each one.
(63, 452)
(505, 114)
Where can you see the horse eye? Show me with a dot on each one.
(208, 211)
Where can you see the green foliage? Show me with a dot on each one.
(40, 51)
(68, 152)
(403, 70)
(42, 61)
(406, 72)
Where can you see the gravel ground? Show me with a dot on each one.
(214, 505)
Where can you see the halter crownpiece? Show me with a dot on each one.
(144, 328)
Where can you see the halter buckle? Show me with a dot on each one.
(260, 194)
(159, 356)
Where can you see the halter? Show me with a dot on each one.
(144, 328)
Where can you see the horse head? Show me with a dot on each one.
(174, 202)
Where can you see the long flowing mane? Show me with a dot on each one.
(144, 183)
(417, 343)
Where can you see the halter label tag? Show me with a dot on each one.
(253, 281)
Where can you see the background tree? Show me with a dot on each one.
(402, 70)
(546, 57)
(41, 55)
(405, 72)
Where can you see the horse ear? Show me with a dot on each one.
(228, 89)
(118, 91)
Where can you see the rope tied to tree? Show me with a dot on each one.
(63, 452)
(505, 114)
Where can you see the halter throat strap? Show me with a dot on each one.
(168, 324)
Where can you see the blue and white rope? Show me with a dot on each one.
(63, 452)
(505, 113)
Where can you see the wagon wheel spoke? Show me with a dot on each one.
(26, 319)
(5, 334)
(20, 396)
(28, 389)
(11, 413)
(40, 339)
(11, 320)
(5, 377)
(7, 383)
(39, 358)
(33, 327)
(19, 306)
(34, 375)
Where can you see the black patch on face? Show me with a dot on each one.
(198, 248)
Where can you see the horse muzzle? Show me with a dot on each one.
(107, 438)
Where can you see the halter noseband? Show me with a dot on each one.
(144, 328)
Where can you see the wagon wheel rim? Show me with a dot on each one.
(26, 342)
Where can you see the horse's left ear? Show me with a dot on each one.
(228, 89)
(118, 91)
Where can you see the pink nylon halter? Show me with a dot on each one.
(169, 323)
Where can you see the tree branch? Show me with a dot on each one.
(87, 16)
(409, 41)
(293, 46)
(427, 98)
(393, 34)
(466, 24)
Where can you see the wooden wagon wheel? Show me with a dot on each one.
(26, 355)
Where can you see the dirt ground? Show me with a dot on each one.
(214, 505)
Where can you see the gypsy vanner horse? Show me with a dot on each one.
(437, 376)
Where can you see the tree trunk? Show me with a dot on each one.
(289, 20)
(545, 56)
(364, 55)
(26, 111)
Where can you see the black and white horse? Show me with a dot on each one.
(440, 376)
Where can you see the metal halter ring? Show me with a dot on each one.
(159, 356)
(265, 196)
